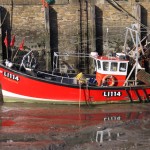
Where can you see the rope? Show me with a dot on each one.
(79, 95)
(127, 13)
(87, 95)
(4, 19)
(11, 3)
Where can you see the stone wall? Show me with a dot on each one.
(70, 26)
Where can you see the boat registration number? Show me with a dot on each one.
(112, 93)
(11, 76)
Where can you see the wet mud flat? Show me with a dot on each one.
(66, 127)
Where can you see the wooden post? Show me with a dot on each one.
(47, 39)
(1, 52)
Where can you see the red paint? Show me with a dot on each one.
(56, 92)
(7, 123)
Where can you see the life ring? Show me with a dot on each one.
(108, 80)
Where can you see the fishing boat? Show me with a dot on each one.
(118, 78)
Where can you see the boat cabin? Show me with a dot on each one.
(111, 70)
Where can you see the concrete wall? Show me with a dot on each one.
(61, 27)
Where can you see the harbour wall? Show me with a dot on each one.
(74, 26)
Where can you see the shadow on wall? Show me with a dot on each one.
(53, 32)
(144, 22)
(99, 30)
(6, 27)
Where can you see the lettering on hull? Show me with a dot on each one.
(11, 76)
(112, 93)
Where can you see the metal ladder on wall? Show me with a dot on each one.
(83, 43)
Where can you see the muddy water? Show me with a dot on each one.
(64, 127)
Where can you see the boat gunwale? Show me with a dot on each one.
(94, 87)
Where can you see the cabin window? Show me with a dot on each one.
(122, 67)
(114, 66)
(95, 64)
(105, 66)
(99, 64)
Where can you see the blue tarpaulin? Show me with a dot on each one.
(50, 1)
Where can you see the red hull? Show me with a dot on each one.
(22, 87)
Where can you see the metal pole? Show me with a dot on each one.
(136, 58)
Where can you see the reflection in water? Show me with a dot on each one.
(104, 123)
(92, 115)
